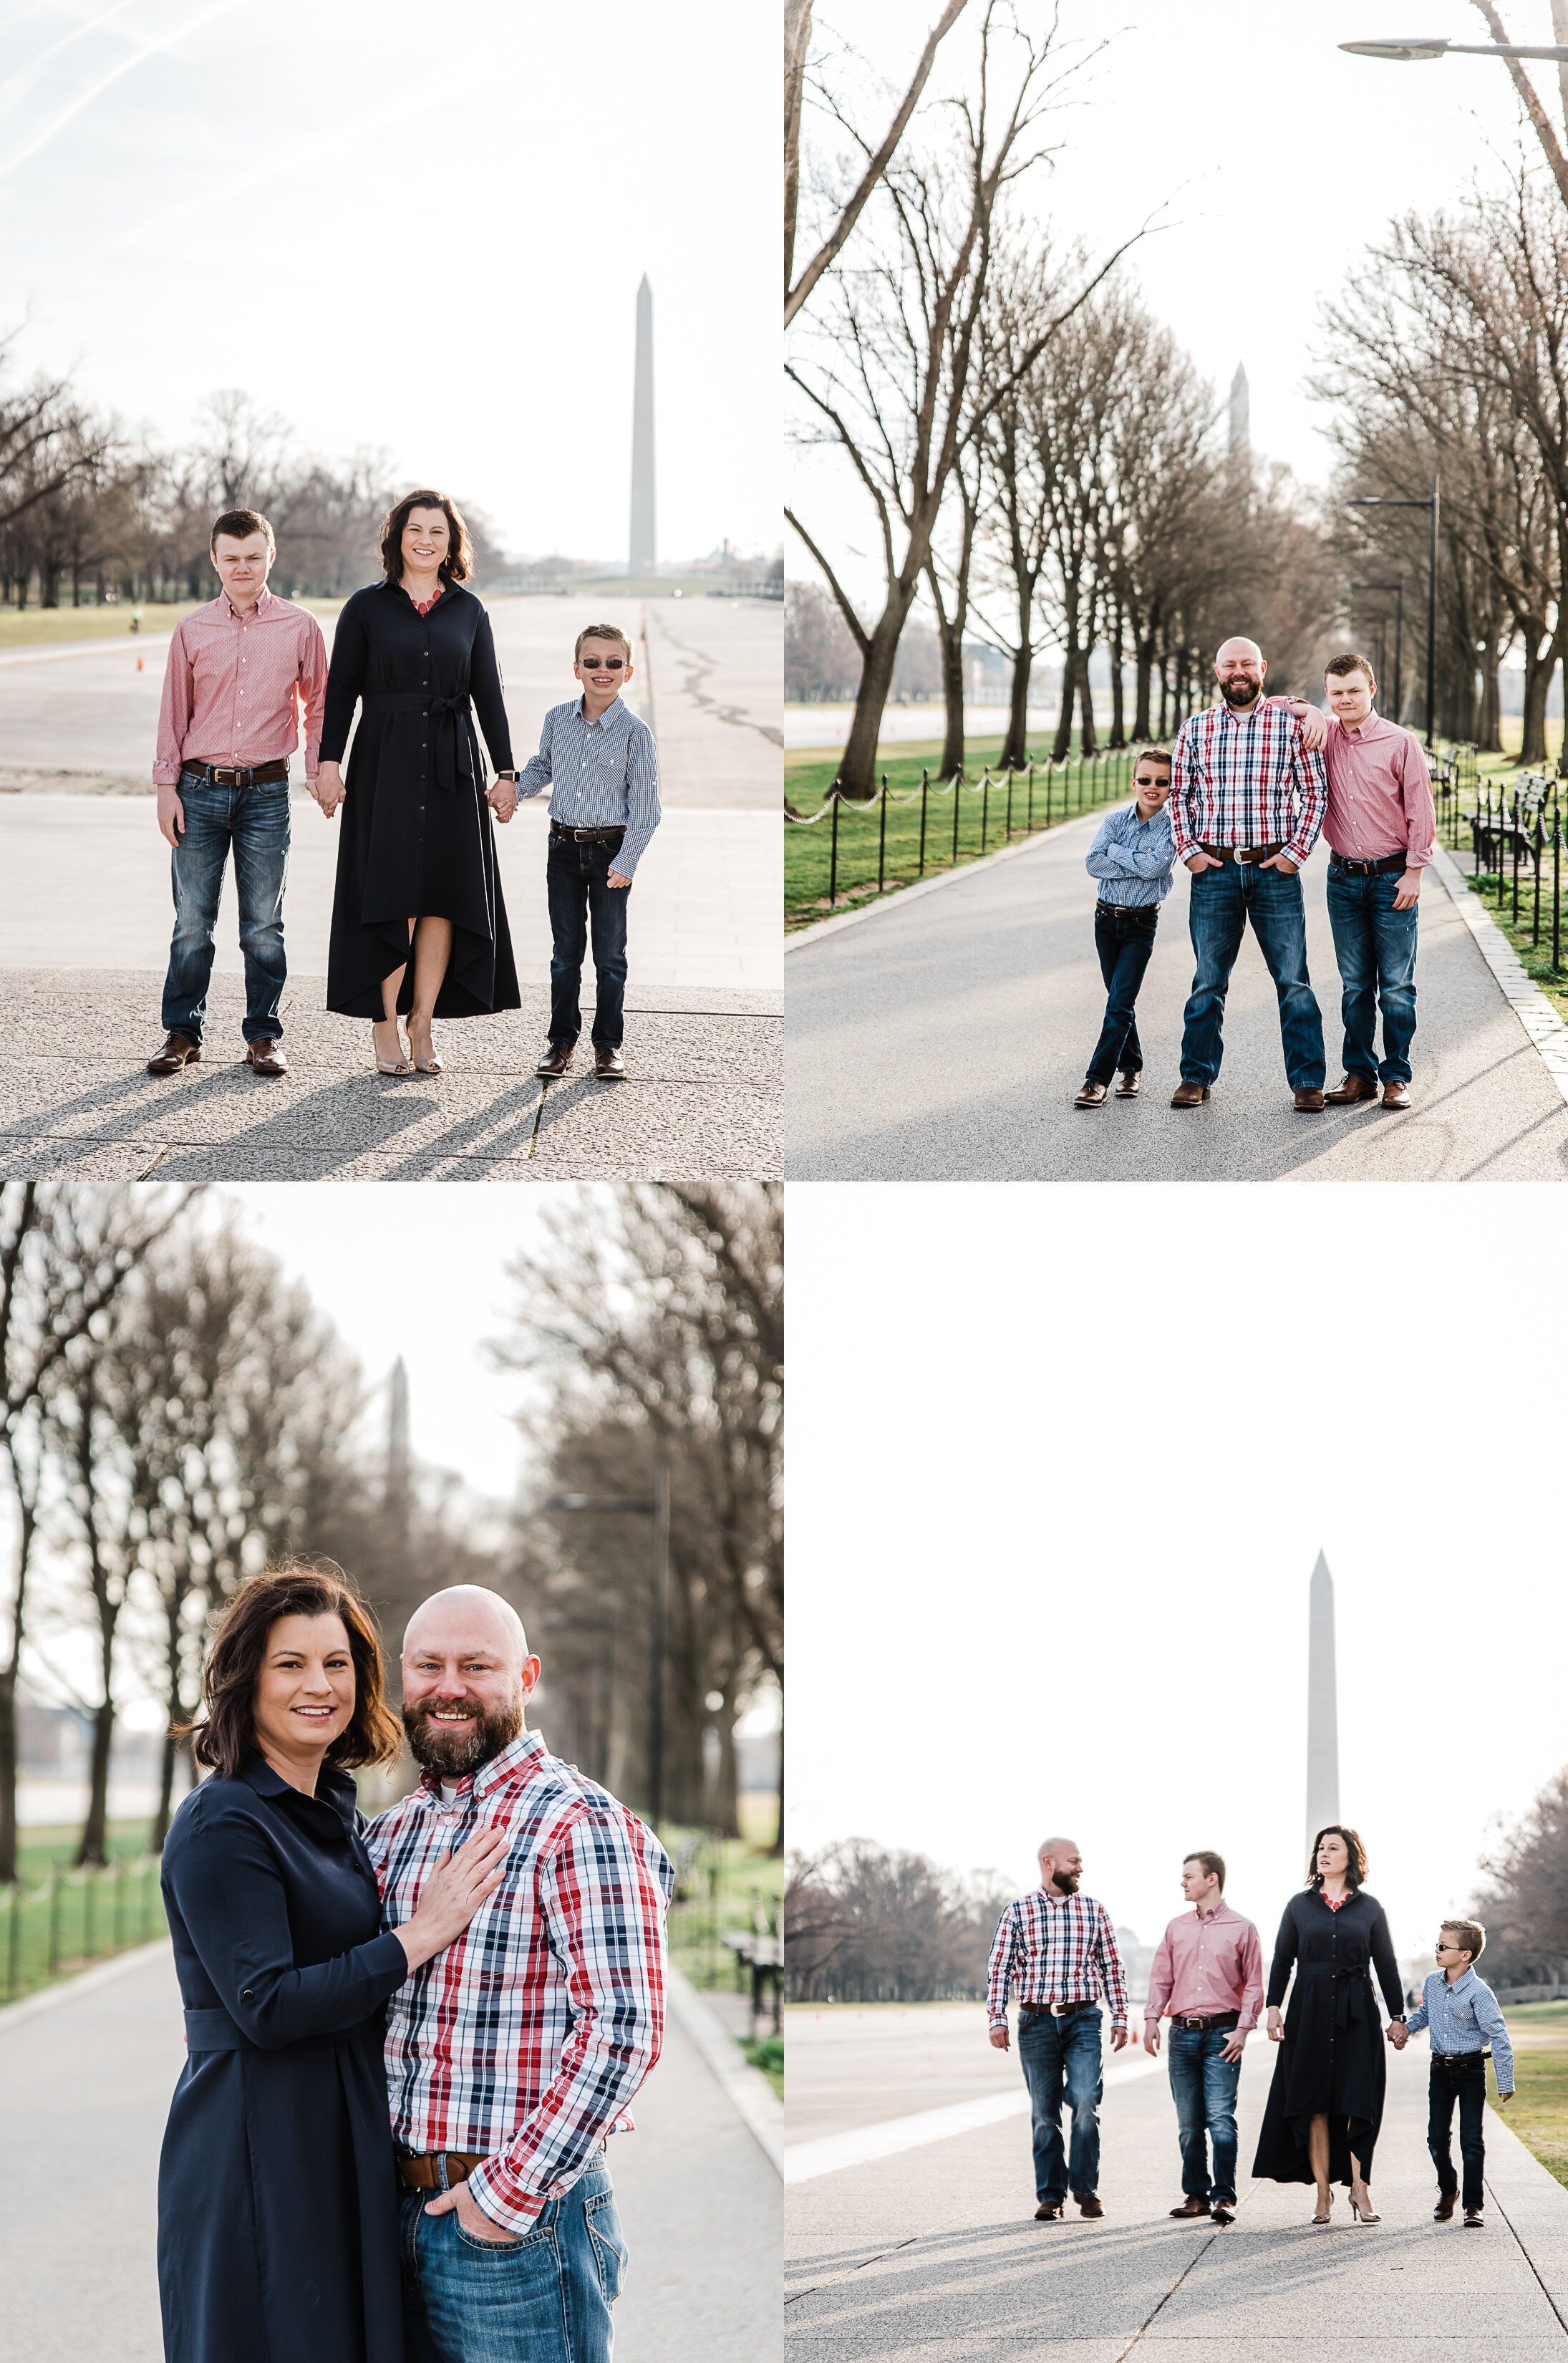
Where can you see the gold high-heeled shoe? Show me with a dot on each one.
(402, 1065)
(1326, 2215)
(1370, 2215)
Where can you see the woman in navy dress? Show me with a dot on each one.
(1325, 2103)
(277, 2194)
(417, 867)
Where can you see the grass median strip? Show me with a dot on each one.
(927, 827)
(1539, 2112)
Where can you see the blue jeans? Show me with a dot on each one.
(255, 823)
(1203, 2087)
(543, 2299)
(1061, 2057)
(1223, 902)
(1124, 940)
(1376, 947)
(583, 901)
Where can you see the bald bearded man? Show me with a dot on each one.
(1248, 794)
(514, 2055)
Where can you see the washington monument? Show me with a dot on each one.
(643, 552)
(1322, 1714)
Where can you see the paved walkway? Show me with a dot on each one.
(932, 2254)
(84, 2093)
(943, 1039)
(86, 916)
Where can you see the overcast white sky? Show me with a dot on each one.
(1062, 1460)
(1273, 160)
(420, 228)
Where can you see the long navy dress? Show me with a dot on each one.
(418, 840)
(277, 2193)
(1330, 2062)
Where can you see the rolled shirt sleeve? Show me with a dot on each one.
(604, 1904)
(173, 711)
(1494, 2026)
(313, 694)
(1184, 784)
(1312, 784)
(998, 1973)
(539, 769)
(1161, 1977)
(1112, 1971)
(642, 813)
(1421, 812)
(1252, 1979)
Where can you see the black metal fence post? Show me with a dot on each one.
(14, 1943)
(54, 1895)
(833, 857)
(958, 792)
(924, 797)
(1009, 804)
(985, 803)
(1556, 882)
(882, 840)
(1029, 823)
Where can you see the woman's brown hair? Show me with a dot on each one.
(459, 563)
(227, 1734)
(1356, 1869)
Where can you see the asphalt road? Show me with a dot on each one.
(943, 1039)
(84, 2093)
(932, 2254)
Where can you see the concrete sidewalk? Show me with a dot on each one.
(86, 915)
(933, 2254)
(943, 1039)
(85, 2090)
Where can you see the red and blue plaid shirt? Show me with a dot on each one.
(1246, 779)
(1055, 1948)
(527, 2038)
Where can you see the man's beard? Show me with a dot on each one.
(1065, 1882)
(1244, 692)
(457, 1749)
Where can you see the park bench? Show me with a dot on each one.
(759, 1953)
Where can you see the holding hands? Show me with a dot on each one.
(501, 798)
(327, 789)
(1399, 2034)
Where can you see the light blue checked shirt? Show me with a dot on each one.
(1133, 859)
(1464, 2017)
(604, 774)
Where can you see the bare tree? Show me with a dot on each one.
(796, 44)
(892, 378)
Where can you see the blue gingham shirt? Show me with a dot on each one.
(1464, 2017)
(1133, 858)
(604, 775)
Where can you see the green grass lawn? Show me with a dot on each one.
(984, 822)
(37, 627)
(57, 1920)
(1539, 2112)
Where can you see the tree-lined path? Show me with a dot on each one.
(944, 1038)
(87, 914)
(932, 2254)
(84, 2089)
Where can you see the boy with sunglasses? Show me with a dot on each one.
(598, 758)
(1461, 2014)
(1132, 856)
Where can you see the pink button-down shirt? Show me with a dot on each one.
(1380, 794)
(1207, 1962)
(233, 686)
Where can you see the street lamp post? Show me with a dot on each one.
(1377, 500)
(1422, 52)
(1398, 591)
(655, 1506)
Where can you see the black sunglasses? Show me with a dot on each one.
(603, 664)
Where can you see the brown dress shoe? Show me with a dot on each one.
(1048, 2213)
(1354, 1089)
(1191, 2207)
(1090, 2206)
(1223, 2213)
(608, 1064)
(178, 1051)
(1447, 2202)
(266, 1058)
(1190, 1095)
(1309, 1100)
(1129, 1083)
(1474, 2220)
(1091, 1096)
(1396, 1095)
(555, 1059)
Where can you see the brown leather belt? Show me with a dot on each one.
(1204, 2026)
(1240, 853)
(1056, 2009)
(245, 775)
(1384, 868)
(422, 2172)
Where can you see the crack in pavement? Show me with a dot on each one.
(699, 667)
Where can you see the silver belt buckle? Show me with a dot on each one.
(1239, 856)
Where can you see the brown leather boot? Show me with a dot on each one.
(178, 1051)
(1190, 1095)
(1351, 1092)
(608, 1064)
(1090, 2206)
(1447, 2202)
(555, 1061)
